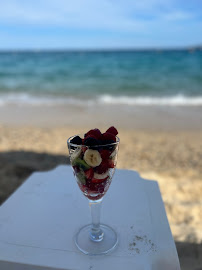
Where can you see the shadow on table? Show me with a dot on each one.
(190, 255)
(16, 166)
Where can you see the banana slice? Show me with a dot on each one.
(101, 175)
(92, 157)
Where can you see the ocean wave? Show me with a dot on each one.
(178, 100)
(33, 100)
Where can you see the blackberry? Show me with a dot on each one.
(76, 140)
(108, 146)
(91, 142)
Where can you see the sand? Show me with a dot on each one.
(156, 118)
(172, 157)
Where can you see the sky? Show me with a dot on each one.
(97, 24)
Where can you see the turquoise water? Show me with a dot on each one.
(133, 77)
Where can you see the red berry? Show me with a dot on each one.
(89, 173)
(112, 130)
(102, 168)
(95, 180)
(105, 154)
(95, 133)
(90, 136)
(108, 136)
(84, 148)
(111, 163)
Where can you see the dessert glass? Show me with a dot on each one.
(95, 238)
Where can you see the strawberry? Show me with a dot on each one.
(105, 154)
(94, 180)
(95, 133)
(112, 130)
(102, 168)
(89, 173)
(111, 163)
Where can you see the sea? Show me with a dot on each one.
(85, 78)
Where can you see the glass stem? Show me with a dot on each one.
(96, 234)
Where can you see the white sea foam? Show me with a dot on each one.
(178, 100)
(33, 100)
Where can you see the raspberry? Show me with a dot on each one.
(112, 130)
(108, 137)
(95, 133)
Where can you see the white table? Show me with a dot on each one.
(38, 222)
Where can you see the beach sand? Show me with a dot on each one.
(160, 145)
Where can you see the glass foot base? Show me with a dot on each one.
(87, 246)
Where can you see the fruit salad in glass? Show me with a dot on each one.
(93, 158)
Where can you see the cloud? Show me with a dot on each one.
(109, 15)
(101, 23)
(79, 13)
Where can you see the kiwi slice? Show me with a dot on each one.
(81, 177)
(81, 164)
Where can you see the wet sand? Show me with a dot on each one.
(155, 118)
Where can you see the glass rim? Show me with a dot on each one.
(99, 145)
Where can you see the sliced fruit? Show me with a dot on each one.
(102, 168)
(112, 130)
(92, 158)
(76, 154)
(81, 164)
(101, 175)
(111, 163)
(94, 180)
(81, 177)
(113, 154)
(105, 154)
(89, 173)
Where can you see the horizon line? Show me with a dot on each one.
(129, 49)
